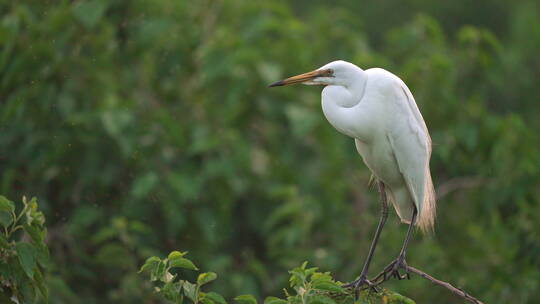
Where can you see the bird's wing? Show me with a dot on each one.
(411, 146)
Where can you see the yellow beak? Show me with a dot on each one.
(303, 77)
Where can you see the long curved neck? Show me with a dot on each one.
(339, 105)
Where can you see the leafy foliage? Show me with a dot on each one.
(174, 289)
(144, 126)
(23, 252)
(309, 286)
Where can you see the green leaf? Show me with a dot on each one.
(205, 300)
(35, 233)
(300, 274)
(150, 264)
(6, 218)
(319, 299)
(320, 276)
(6, 211)
(245, 299)
(176, 254)
(27, 257)
(28, 291)
(14, 269)
(216, 297)
(206, 277)
(190, 290)
(311, 271)
(324, 281)
(159, 272)
(182, 263)
(327, 285)
(171, 290)
(274, 300)
(42, 255)
(42, 287)
(6, 205)
(392, 297)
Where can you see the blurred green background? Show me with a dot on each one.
(146, 126)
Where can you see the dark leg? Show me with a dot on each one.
(392, 270)
(362, 280)
(403, 251)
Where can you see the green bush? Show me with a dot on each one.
(309, 286)
(144, 126)
(23, 252)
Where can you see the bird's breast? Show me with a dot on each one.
(379, 158)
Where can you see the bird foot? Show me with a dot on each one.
(393, 269)
(361, 283)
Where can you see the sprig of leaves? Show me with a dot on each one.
(23, 252)
(314, 287)
(309, 286)
(175, 289)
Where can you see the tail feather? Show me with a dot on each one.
(426, 216)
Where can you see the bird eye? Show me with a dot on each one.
(330, 73)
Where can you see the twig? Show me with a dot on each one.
(458, 291)
(459, 183)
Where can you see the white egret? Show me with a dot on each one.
(376, 108)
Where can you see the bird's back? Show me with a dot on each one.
(399, 154)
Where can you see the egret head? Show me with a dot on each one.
(334, 73)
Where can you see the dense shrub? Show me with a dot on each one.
(145, 126)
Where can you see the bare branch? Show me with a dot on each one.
(380, 278)
(459, 183)
(455, 290)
